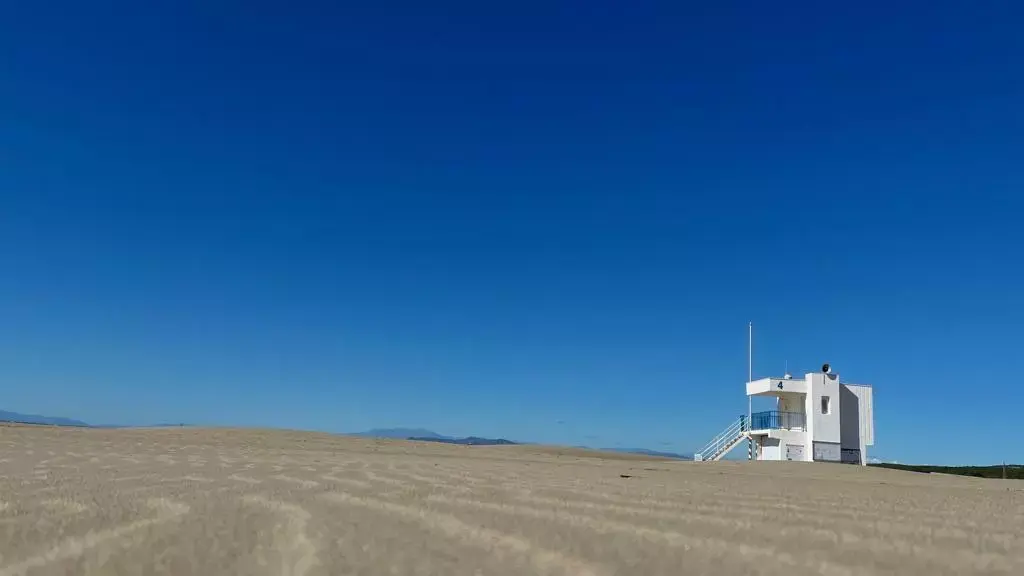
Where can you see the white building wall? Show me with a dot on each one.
(791, 403)
(827, 452)
(809, 405)
(781, 449)
(775, 385)
(866, 396)
(851, 437)
(826, 426)
(797, 452)
(771, 449)
(857, 429)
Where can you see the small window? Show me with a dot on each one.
(826, 405)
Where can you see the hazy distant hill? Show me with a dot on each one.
(161, 425)
(647, 452)
(1011, 471)
(424, 435)
(402, 433)
(37, 419)
(469, 441)
(61, 421)
(420, 434)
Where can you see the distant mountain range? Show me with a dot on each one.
(20, 418)
(424, 435)
(402, 433)
(468, 441)
(647, 452)
(37, 419)
(418, 434)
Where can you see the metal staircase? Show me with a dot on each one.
(724, 442)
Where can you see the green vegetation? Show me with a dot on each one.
(1014, 471)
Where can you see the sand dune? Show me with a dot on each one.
(182, 501)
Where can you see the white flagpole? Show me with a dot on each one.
(750, 378)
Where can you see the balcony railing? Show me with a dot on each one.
(775, 420)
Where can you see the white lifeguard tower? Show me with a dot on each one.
(817, 418)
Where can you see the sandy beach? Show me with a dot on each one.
(197, 501)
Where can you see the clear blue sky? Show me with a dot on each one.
(545, 221)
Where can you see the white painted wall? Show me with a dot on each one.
(826, 452)
(824, 427)
(792, 403)
(776, 385)
(850, 435)
(867, 410)
(809, 404)
(857, 424)
(771, 449)
(776, 446)
(798, 452)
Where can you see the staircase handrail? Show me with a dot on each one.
(724, 439)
